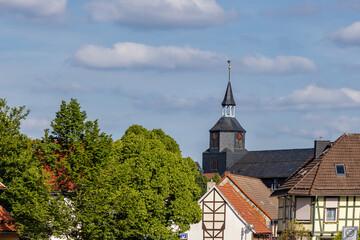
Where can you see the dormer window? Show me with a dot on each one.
(340, 169)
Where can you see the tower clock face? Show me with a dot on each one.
(239, 136)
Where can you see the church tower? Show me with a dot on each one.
(227, 138)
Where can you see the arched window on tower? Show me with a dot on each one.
(214, 163)
(239, 141)
(214, 141)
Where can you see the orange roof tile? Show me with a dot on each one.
(257, 192)
(209, 175)
(2, 186)
(6, 221)
(244, 210)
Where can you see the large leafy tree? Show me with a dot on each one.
(27, 197)
(78, 158)
(157, 197)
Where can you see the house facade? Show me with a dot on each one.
(257, 195)
(227, 216)
(324, 193)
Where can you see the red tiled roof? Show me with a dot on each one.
(244, 210)
(209, 175)
(6, 221)
(2, 186)
(257, 192)
(318, 176)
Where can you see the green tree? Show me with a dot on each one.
(295, 231)
(27, 197)
(201, 181)
(157, 186)
(216, 178)
(79, 159)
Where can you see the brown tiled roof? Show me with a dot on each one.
(246, 212)
(258, 193)
(6, 221)
(318, 176)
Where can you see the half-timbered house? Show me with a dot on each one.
(324, 193)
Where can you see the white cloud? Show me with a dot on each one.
(160, 13)
(278, 65)
(135, 55)
(339, 124)
(316, 98)
(347, 36)
(33, 8)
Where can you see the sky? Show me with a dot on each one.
(163, 64)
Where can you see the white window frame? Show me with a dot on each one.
(333, 204)
(336, 170)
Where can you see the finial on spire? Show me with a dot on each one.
(229, 62)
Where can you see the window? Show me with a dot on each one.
(214, 164)
(331, 209)
(303, 209)
(214, 140)
(340, 169)
(239, 140)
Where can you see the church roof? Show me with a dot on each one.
(271, 163)
(319, 176)
(228, 98)
(228, 124)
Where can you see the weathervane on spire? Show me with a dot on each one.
(229, 62)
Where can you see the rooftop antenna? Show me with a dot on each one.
(229, 62)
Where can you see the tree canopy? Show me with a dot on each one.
(27, 197)
(78, 156)
(159, 192)
(77, 183)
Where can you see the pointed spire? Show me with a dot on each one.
(228, 103)
(229, 98)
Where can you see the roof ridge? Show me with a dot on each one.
(283, 149)
(306, 163)
(294, 187)
(247, 195)
(244, 203)
(327, 152)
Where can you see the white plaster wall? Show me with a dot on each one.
(195, 231)
(234, 226)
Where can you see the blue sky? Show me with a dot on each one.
(162, 64)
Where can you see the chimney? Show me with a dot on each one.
(320, 146)
(210, 185)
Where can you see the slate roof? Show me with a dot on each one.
(260, 164)
(6, 221)
(228, 98)
(257, 192)
(318, 176)
(244, 209)
(228, 124)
